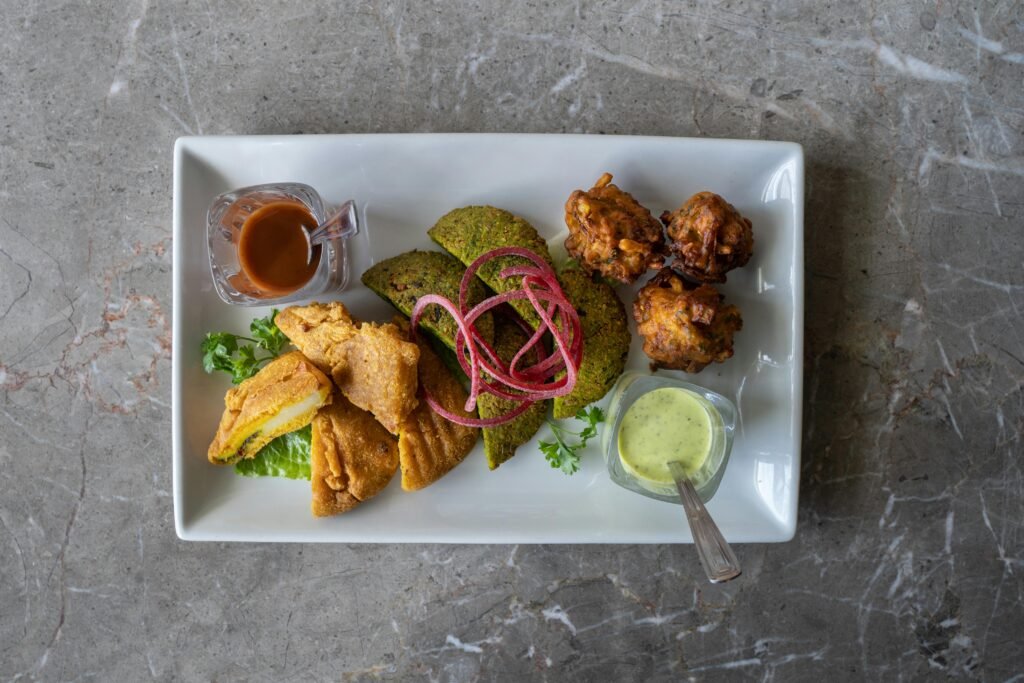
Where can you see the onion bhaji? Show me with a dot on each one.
(709, 236)
(611, 233)
(684, 326)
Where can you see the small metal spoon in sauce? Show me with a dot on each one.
(342, 223)
(716, 556)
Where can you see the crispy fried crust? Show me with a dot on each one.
(502, 441)
(352, 458)
(685, 327)
(606, 340)
(611, 233)
(403, 279)
(472, 231)
(709, 236)
(373, 365)
(284, 382)
(430, 446)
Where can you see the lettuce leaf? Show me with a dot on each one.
(285, 456)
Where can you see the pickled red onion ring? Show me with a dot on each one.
(487, 372)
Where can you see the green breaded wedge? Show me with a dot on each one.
(501, 442)
(605, 340)
(472, 231)
(403, 279)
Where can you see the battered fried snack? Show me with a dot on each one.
(502, 441)
(429, 446)
(373, 365)
(606, 340)
(709, 236)
(611, 233)
(352, 458)
(282, 397)
(402, 280)
(472, 231)
(684, 326)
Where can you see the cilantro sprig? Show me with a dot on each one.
(222, 350)
(563, 455)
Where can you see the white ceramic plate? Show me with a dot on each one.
(402, 184)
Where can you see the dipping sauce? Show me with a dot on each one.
(272, 247)
(662, 425)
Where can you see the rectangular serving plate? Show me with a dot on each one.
(403, 184)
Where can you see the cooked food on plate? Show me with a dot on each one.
(605, 340)
(352, 458)
(429, 446)
(401, 280)
(610, 233)
(373, 365)
(709, 236)
(502, 440)
(511, 337)
(684, 326)
(472, 231)
(282, 397)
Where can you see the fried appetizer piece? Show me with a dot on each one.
(429, 446)
(352, 458)
(709, 236)
(402, 280)
(280, 398)
(501, 442)
(685, 327)
(373, 365)
(606, 340)
(611, 233)
(472, 231)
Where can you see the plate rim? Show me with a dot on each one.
(192, 145)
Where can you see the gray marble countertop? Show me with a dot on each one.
(908, 562)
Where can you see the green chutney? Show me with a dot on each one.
(667, 424)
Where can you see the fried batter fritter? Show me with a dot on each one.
(684, 326)
(352, 458)
(373, 365)
(429, 446)
(709, 236)
(611, 233)
(281, 397)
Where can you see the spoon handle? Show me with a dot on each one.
(342, 223)
(717, 558)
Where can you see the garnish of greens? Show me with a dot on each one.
(286, 456)
(231, 354)
(562, 454)
(241, 357)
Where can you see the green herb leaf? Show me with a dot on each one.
(565, 456)
(560, 457)
(217, 348)
(222, 350)
(267, 334)
(286, 456)
(246, 365)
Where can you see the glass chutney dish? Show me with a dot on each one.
(226, 219)
(721, 418)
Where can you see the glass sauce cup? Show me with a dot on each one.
(224, 223)
(722, 415)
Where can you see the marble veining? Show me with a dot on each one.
(909, 558)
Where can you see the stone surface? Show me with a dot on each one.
(909, 557)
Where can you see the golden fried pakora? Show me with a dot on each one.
(430, 446)
(352, 458)
(709, 236)
(611, 233)
(373, 365)
(684, 326)
(280, 398)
